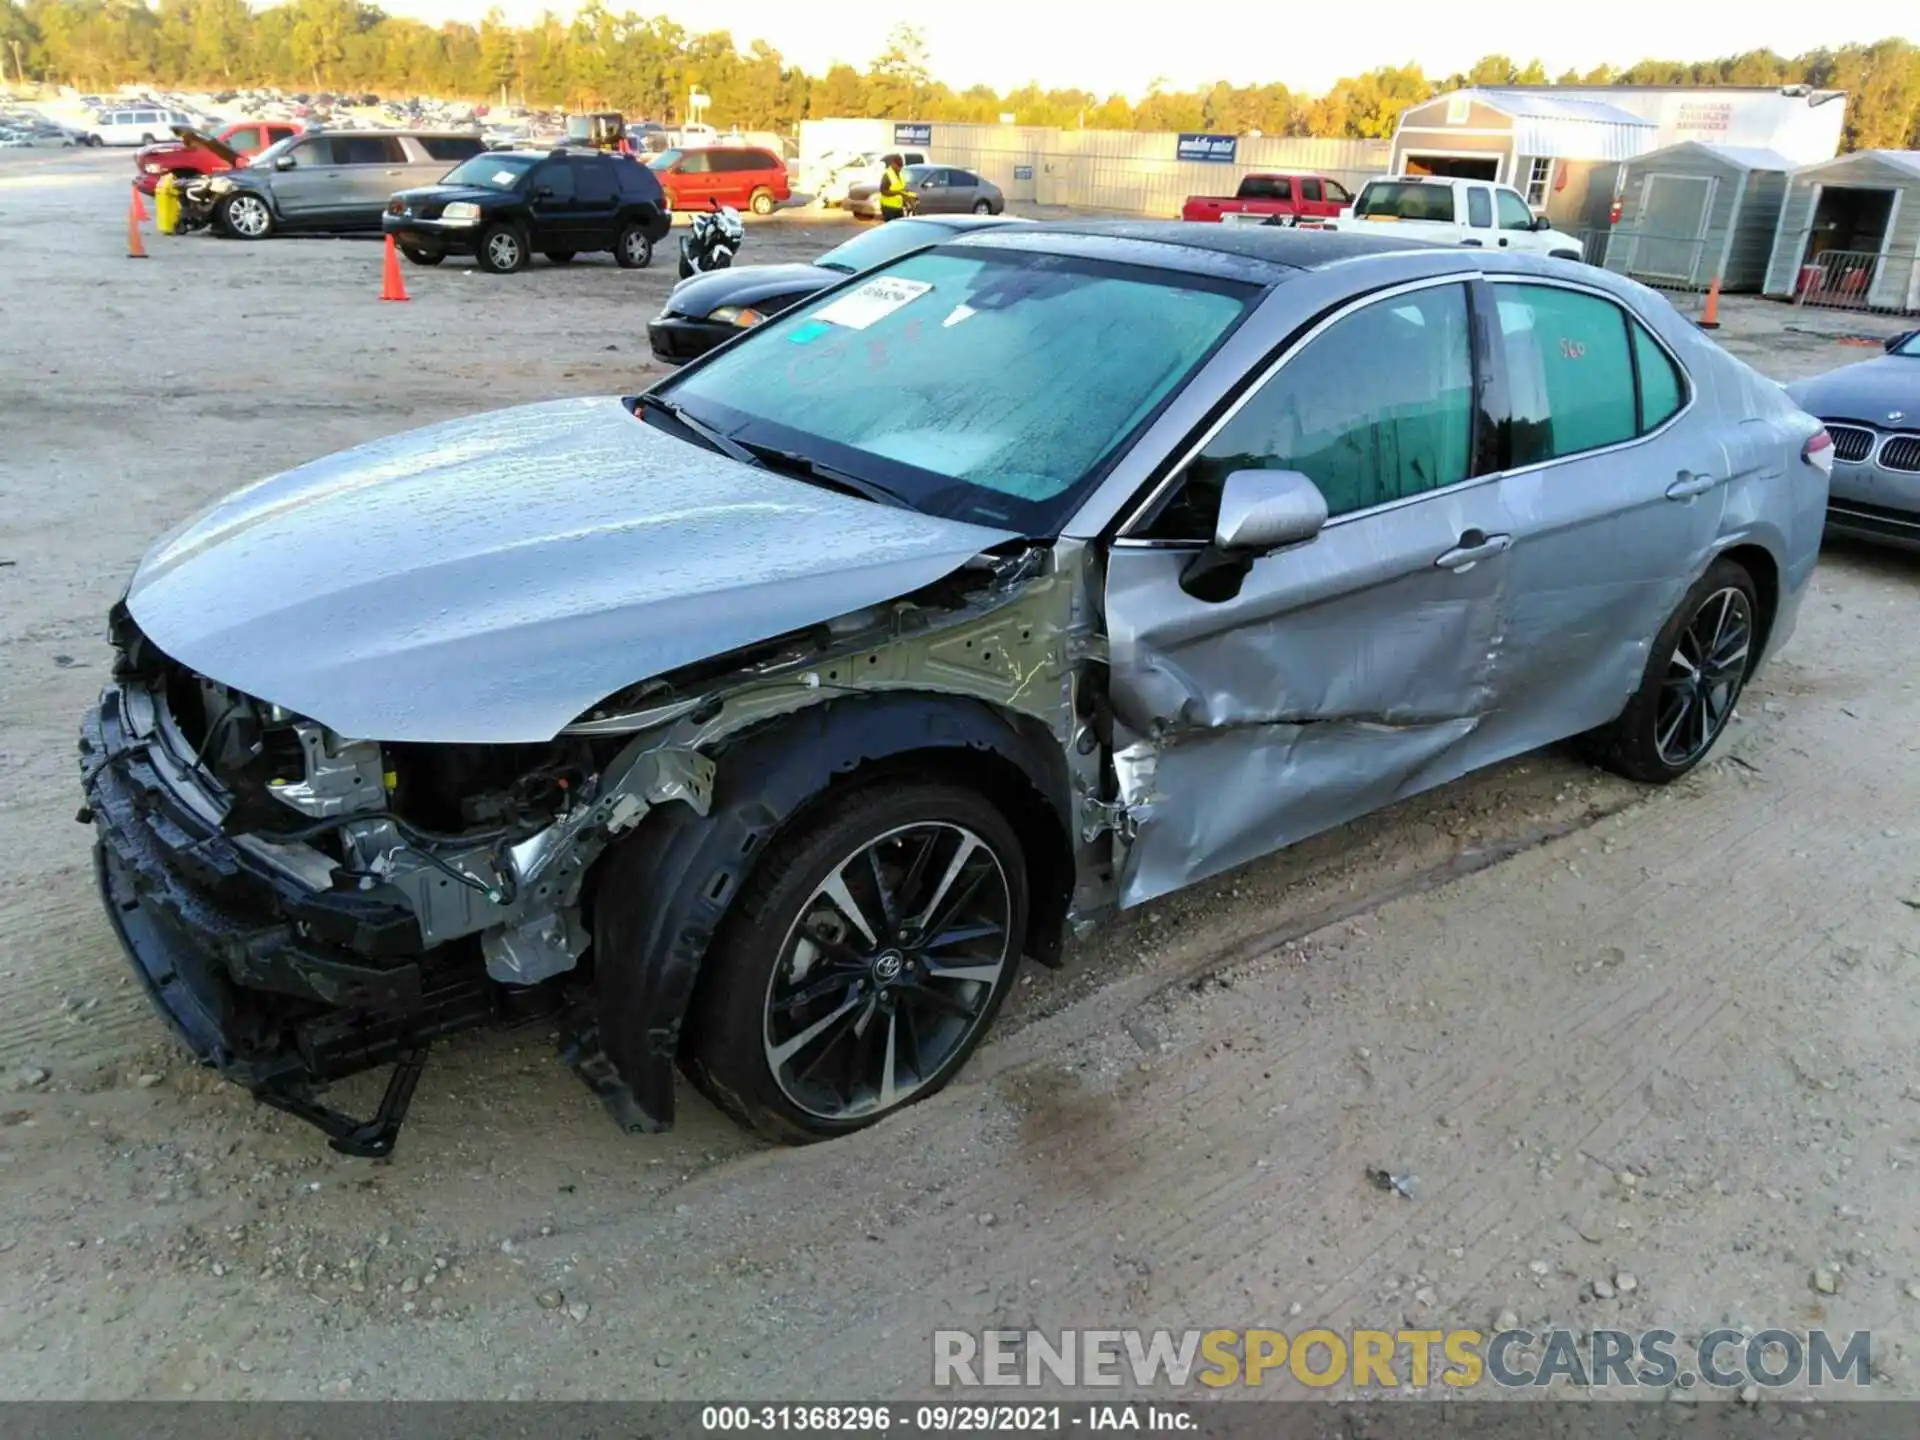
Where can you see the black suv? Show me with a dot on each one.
(502, 206)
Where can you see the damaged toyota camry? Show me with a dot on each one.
(757, 727)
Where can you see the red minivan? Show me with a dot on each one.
(736, 175)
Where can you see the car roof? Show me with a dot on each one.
(1263, 254)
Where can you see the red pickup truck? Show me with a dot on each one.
(203, 154)
(1303, 197)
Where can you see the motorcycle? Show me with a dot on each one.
(712, 241)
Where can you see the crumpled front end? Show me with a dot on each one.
(301, 907)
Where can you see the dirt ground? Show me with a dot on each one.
(1670, 1034)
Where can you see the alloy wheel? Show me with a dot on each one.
(639, 248)
(503, 250)
(247, 214)
(1704, 676)
(888, 971)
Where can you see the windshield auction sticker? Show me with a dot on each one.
(873, 302)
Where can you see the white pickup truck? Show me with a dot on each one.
(1447, 211)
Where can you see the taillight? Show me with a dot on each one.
(1818, 452)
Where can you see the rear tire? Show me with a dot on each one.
(1695, 672)
(633, 249)
(502, 250)
(887, 1026)
(421, 257)
(761, 202)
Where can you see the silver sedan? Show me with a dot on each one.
(777, 713)
(936, 190)
(1872, 410)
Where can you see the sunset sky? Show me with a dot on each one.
(1094, 44)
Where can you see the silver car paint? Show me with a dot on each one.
(489, 579)
(1882, 395)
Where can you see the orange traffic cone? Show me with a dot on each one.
(139, 209)
(136, 248)
(1710, 316)
(391, 286)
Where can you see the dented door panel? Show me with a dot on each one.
(1348, 672)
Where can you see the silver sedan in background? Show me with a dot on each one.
(937, 190)
(1872, 410)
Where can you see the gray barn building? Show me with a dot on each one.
(1849, 233)
(1693, 211)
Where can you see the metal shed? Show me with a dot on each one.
(1849, 233)
(1543, 145)
(1692, 212)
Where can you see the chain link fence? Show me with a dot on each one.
(1676, 265)
(1868, 281)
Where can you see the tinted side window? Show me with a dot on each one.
(1662, 391)
(637, 182)
(368, 150)
(313, 152)
(277, 133)
(556, 176)
(1569, 373)
(593, 180)
(452, 147)
(1266, 187)
(964, 178)
(1309, 189)
(1479, 209)
(1379, 407)
(1514, 214)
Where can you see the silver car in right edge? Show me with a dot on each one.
(759, 725)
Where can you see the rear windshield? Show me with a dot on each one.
(1405, 200)
(491, 172)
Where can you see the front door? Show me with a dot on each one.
(1516, 230)
(691, 184)
(312, 185)
(551, 198)
(1348, 671)
(1614, 511)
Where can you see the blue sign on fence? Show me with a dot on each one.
(913, 134)
(1219, 148)
(1023, 172)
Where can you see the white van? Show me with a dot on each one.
(1447, 211)
(137, 124)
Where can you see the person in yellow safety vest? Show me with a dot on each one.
(894, 194)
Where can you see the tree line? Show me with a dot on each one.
(646, 66)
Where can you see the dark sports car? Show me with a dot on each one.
(709, 310)
(1872, 411)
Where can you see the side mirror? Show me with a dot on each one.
(1261, 511)
(543, 192)
(1541, 222)
(284, 162)
(1894, 342)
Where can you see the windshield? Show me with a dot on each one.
(877, 247)
(664, 159)
(264, 158)
(1910, 346)
(982, 385)
(1405, 200)
(492, 171)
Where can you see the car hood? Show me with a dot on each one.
(447, 194)
(490, 579)
(193, 139)
(1871, 391)
(700, 296)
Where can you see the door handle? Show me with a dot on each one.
(393, 172)
(1691, 483)
(1474, 546)
(1474, 244)
(1503, 242)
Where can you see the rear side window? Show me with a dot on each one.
(452, 147)
(637, 182)
(733, 162)
(1406, 200)
(368, 150)
(1479, 209)
(1377, 408)
(1309, 189)
(1266, 187)
(593, 180)
(1662, 392)
(1569, 372)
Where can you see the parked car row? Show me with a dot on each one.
(1046, 554)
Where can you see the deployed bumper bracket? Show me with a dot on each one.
(371, 1139)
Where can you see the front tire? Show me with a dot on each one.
(246, 217)
(502, 250)
(1699, 665)
(983, 207)
(633, 249)
(862, 963)
(761, 202)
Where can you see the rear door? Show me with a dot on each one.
(596, 202)
(1350, 670)
(1480, 233)
(1615, 500)
(371, 168)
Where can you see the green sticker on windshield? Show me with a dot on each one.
(808, 333)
